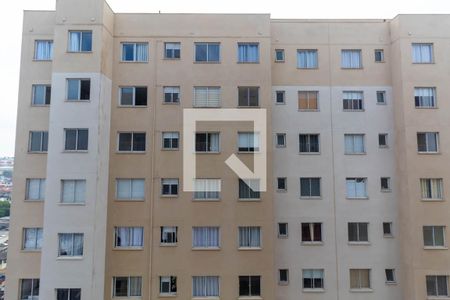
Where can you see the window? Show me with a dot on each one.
(208, 96)
(135, 52)
(250, 237)
(248, 52)
(78, 89)
(76, 139)
(207, 52)
(43, 50)
(358, 232)
(29, 289)
(205, 237)
(309, 187)
(280, 97)
(249, 189)
(171, 94)
(248, 142)
(434, 236)
(311, 232)
(169, 234)
(41, 94)
(308, 100)
(132, 141)
(128, 237)
(68, 294)
(169, 187)
(356, 187)
(313, 279)
(170, 140)
(283, 230)
(80, 41)
(207, 142)
(281, 140)
(382, 140)
(283, 276)
(282, 183)
(387, 229)
(38, 141)
(133, 96)
(307, 59)
(390, 275)
(73, 191)
(207, 189)
(379, 55)
(422, 53)
(168, 285)
(127, 286)
(431, 188)
(70, 244)
(249, 286)
(381, 97)
(205, 286)
(353, 101)
(130, 189)
(351, 59)
(428, 142)
(279, 55)
(248, 96)
(309, 143)
(385, 183)
(354, 144)
(437, 285)
(425, 97)
(359, 279)
(172, 50)
(32, 239)
(35, 189)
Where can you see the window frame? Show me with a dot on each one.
(249, 278)
(278, 184)
(359, 233)
(308, 94)
(249, 136)
(311, 226)
(119, 133)
(42, 147)
(247, 44)
(78, 99)
(249, 190)
(248, 90)
(77, 130)
(311, 196)
(434, 245)
(131, 230)
(73, 246)
(386, 136)
(36, 247)
(381, 51)
(360, 287)
(42, 182)
(366, 192)
(313, 288)
(69, 292)
(276, 55)
(308, 67)
(207, 60)
(351, 67)
(417, 99)
(352, 101)
(162, 279)
(309, 144)
(80, 45)
(280, 281)
(163, 242)
(129, 278)
(171, 140)
(209, 103)
(354, 136)
(76, 183)
(173, 51)
(281, 235)
(436, 286)
(383, 93)
(35, 58)
(47, 89)
(283, 93)
(432, 61)
(247, 243)
(390, 226)
(174, 101)
(207, 247)
(34, 282)
(133, 96)
(427, 151)
(207, 133)
(171, 183)
(130, 181)
(429, 183)
(283, 136)
(122, 44)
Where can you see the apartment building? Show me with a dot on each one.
(355, 204)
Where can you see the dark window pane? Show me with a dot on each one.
(442, 285)
(352, 232)
(303, 143)
(363, 233)
(213, 52)
(305, 190)
(166, 189)
(175, 143)
(174, 189)
(255, 286)
(318, 283)
(431, 286)
(139, 142)
(243, 96)
(48, 93)
(82, 139)
(253, 94)
(387, 228)
(314, 141)
(25, 288)
(306, 233)
(317, 232)
(121, 288)
(176, 53)
(200, 52)
(200, 142)
(36, 285)
(44, 141)
(86, 43)
(35, 141)
(141, 96)
(75, 294)
(62, 294)
(85, 89)
(126, 97)
(281, 183)
(307, 283)
(125, 141)
(244, 286)
(71, 139)
(128, 52)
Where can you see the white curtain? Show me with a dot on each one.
(137, 234)
(39, 94)
(78, 244)
(205, 286)
(422, 53)
(207, 188)
(425, 97)
(43, 50)
(135, 286)
(431, 188)
(141, 52)
(30, 238)
(249, 237)
(137, 189)
(68, 187)
(75, 41)
(431, 141)
(351, 59)
(205, 237)
(66, 244)
(307, 59)
(354, 143)
(214, 142)
(123, 188)
(122, 237)
(356, 187)
(33, 189)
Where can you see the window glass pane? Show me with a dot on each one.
(121, 286)
(135, 286)
(62, 294)
(126, 96)
(86, 44)
(138, 141)
(123, 188)
(244, 286)
(82, 143)
(39, 94)
(127, 52)
(74, 41)
(442, 286)
(125, 141)
(138, 189)
(213, 52)
(71, 139)
(255, 285)
(141, 96)
(75, 294)
(200, 52)
(72, 89)
(85, 89)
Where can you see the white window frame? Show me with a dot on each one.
(209, 90)
(132, 141)
(351, 64)
(280, 235)
(246, 45)
(78, 80)
(207, 133)
(133, 96)
(276, 55)
(80, 45)
(207, 60)
(283, 135)
(352, 97)
(386, 145)
(360, 287)
(131, 230)
(172, 90)
(130, 181)
(34, 281)
(283, 93)
(171, 182)
(167, 279)
(217, 228)
(77, 183)
(381, 51)
(312, 66)
(36, 247)
(283, 282)
(172, 46)
(41, 189)
(427, 143)
(76, 140)
(322, 276)
(252, 138)
(169, 230)
(73, 244)
(358, 233)
(33, 94)
(128, 286)
(425, 90)
(41, 146)
(383, 93)
(421, 60)
(122, 44)
(49, 57)
(434, 228)
(429, 182)
(247, 243)
(355, 179)
(171, 136)
(437, 296)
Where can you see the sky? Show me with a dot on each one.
(11, 29)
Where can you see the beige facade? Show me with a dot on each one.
(121, 205)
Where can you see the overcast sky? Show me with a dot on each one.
(11, 29)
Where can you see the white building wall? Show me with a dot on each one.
(87, 272)
(333, 210)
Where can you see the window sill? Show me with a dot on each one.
(249, 248)
(279, 61)
(168, 196)
(133, 62)
(426, 107)
(128, 248)
(359, 243)
(249, 199)
(435, 248)
(172, 58)
(438, 298)
(248, 106)
(170, 149)
(309, 110)
(432, 200)
(356, 153)
(386, 191)
(248, 62)
(388, 236)
(207, 152)
(428, 153)
(77, 100)
(356, 68)
(171, 103)
(248, 152)
(357, 198)
(34, 200)
(390, 282)
(168, 245)
(383, 146)
(280, 146)
(31, 250)
(206, 249)
(309, 153)
(37, 152)
(381, 103)
(316, 68)
(205, 200)
(79, 52)
(132, 106)
(280, 103)
(366, 290)
(311, 198)
(75, 151)
(353, 110)
(205, 298)
(207, 62)
(281, 190)
(71, 204)
(131, 152)
(40, 105)
(129, 200)
(313, 290)
(311, 243)
(167, 295)
(68, 258)
(423, 63)
(283, 237)
(250, 298)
